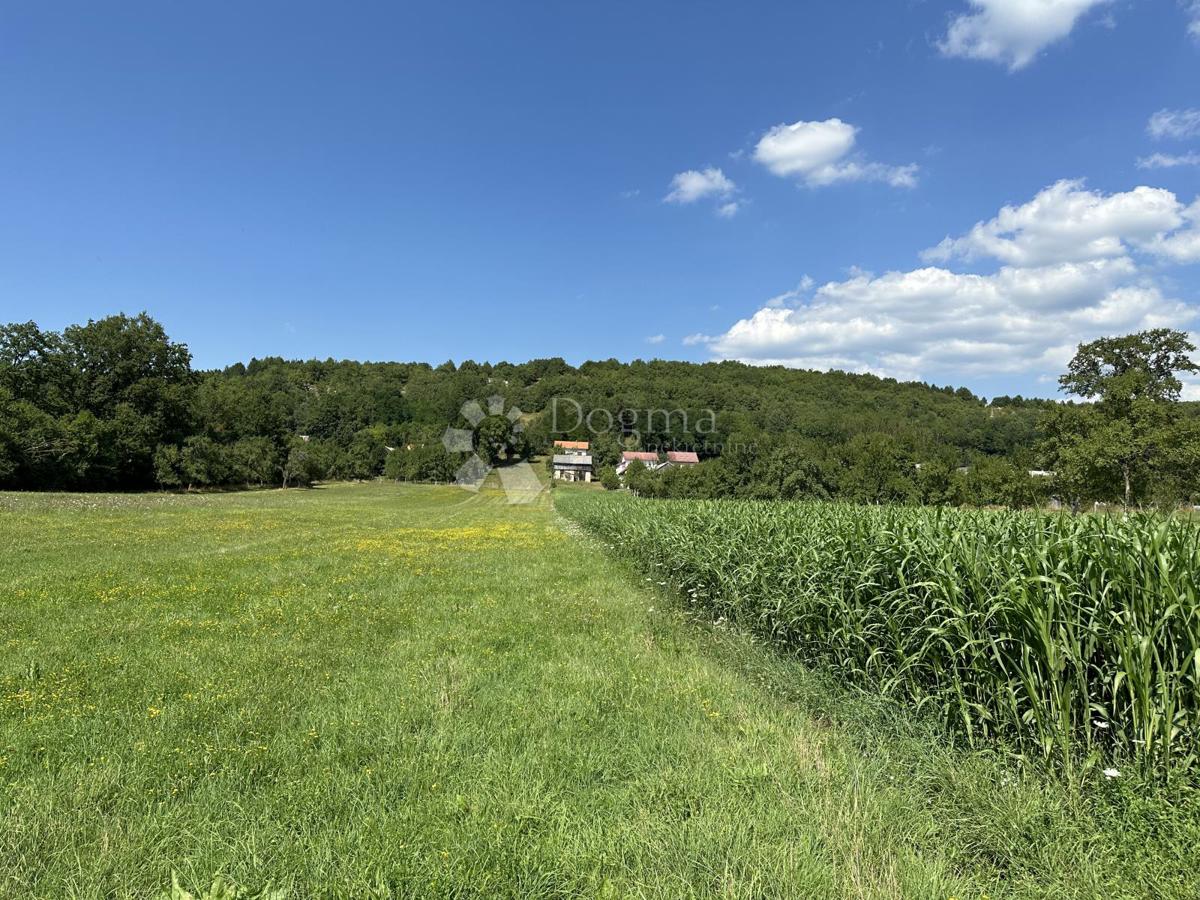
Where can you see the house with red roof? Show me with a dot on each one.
(579, 448)
(647, 457)
(682, 458)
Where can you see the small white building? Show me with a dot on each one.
(648, 458)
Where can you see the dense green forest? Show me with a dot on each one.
(116, 404)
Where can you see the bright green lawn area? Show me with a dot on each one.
(379, 690)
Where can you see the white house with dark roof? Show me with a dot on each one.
(573, 466)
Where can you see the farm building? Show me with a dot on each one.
(573, 466)
(682, 458)
(648, 457)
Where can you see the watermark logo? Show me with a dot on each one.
(519, 481)
(567, 416)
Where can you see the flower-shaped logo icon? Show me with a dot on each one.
(520, 482)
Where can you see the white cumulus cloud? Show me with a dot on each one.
(932, 321)
(1012, 32)
(1182, 245)
(1068, 223)
(1070, 270)
(693, 185)
(819, 153)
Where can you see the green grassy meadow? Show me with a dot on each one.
(413, 691)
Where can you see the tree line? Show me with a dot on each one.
(1132, 443)
(116, 405)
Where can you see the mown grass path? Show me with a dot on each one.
(412, 691)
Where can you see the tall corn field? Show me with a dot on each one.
(1075, 635)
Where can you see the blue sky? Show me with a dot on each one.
(770, 182)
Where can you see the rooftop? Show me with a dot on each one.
(682, 456)
(643, 455)
(572, 445)
(572, 460)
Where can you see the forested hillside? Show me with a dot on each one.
(116, 404)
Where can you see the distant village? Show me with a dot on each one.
(573, 460)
